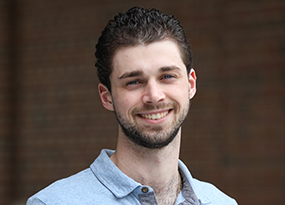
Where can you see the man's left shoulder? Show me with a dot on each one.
(209, 192)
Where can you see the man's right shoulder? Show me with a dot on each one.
(75, 189)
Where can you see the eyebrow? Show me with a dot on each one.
(140, 72)
(131, 74)
(168, 68)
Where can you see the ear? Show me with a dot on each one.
(106, 97)
(192, 83)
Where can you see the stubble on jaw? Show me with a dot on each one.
(158, 138)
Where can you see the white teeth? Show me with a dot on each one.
(155, 116)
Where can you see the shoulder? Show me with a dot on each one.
(208, 192)
(76, 189)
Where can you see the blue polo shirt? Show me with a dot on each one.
(103, 183)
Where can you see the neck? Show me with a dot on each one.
(157, 168)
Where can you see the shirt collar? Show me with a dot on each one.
(109, 174)
(121, 185)
(198, 190)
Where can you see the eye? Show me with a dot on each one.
(167, 77)
(133, 82)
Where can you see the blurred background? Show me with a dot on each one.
(52, 123)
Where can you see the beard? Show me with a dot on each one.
(152, 137)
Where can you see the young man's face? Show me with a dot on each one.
(151, 92)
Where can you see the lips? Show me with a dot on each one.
(155, 116)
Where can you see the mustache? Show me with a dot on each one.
(150, 107)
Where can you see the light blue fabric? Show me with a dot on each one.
(103, 183)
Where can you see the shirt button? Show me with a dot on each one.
(144, 189)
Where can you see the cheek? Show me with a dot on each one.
(179, 95)
(126, 103)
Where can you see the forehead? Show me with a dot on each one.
(147, 58)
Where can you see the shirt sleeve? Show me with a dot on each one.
(35, 201)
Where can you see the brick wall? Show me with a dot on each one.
(52, 123)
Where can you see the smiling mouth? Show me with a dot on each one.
(155, 116)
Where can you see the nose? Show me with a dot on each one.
(153, 93)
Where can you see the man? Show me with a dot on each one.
(145, 69)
